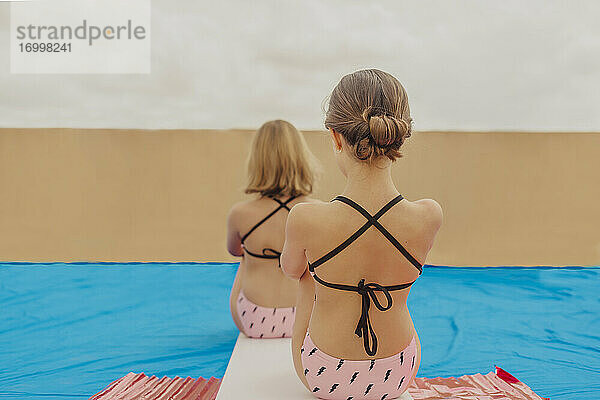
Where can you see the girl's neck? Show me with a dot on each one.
(370, 181)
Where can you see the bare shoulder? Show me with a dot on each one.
(307, 207)
(303, 215)
(241, 207)
(429, 206)
(308, 200)
(242, 210)
(430, 211)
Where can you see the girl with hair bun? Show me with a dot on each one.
(357, 256)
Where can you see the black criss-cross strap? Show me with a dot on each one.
(368, 291)
(267, 252)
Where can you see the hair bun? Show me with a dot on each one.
(387, 130)
(369, 108)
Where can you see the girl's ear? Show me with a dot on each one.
(337, 139)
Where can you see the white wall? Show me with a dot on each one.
(467, 65)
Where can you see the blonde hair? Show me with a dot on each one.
(369, 108)
(280, 162)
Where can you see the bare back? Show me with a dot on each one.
(261, 280)
(370, 257)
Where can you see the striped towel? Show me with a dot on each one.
(140, 386)
(497, 385)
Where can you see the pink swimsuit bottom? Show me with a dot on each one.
(265, 322)
(336, 379)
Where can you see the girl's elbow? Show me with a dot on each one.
(294, 275)
(288, 270)
(236, 251)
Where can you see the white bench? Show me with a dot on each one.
(262, 369)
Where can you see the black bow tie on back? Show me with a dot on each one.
(364, 328)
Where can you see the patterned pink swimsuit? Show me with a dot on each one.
(265, 322)
(334, 378)
(374, 378)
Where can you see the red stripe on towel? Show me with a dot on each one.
(505, 376)
(140, 386)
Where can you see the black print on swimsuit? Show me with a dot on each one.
(255, 307)
(401, 382)
(354, 375)
(384, 396)
(273, 328)
(302, 350)
(387, 374)
(316, 389)
(293, 309)
(321, 370)
(263, 320)
(274, 311)
(312, 352)
(339, 365)
(243, 313)
(413, 362)
(350, 398)
(333, 387)
(240, 300)
(368, 388)
(401, 358)
(283, 319)
(283, 334)
(251, 325)
(372, 365)
(261, 335)
(306, 371)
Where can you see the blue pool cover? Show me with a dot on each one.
(67, 330)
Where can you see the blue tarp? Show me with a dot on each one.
(67, 330)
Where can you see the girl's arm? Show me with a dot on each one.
(234, 240)
(234, 246)
(295, 265)
(235, 291)
(304, 307)
(293, 256)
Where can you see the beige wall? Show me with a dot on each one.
(127, 195)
